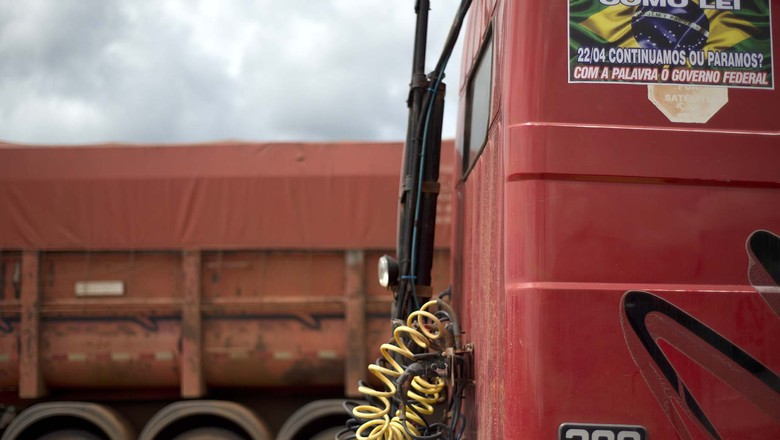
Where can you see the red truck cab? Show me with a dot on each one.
(601, 214)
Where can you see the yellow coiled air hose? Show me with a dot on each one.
(422, 327)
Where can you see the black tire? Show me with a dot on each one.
(329, 434)
(209, 434)
(69, 434)
(318, 420)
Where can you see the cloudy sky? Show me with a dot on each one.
(148, 71)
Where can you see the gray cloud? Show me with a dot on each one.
(80, 71)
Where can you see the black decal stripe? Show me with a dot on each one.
(692, 405)
(765, 246)
(638, 305)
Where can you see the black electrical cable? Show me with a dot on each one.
(457, 401)
(352, 424)
(421, 132)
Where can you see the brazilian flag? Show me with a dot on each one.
(593, 24)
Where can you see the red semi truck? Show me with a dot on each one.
(192, 291)
(604, 229)
(615, 263)
(615, 257)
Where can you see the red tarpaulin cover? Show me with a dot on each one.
(208, 196)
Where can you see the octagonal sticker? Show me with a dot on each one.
(692, 104)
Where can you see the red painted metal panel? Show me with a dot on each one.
(192, 382)
(483, 280)
(269, 293)
(31, 384)
(10, 286)
(269, 319)
(355, 318)
(599, 194)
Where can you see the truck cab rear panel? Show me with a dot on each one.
(600, 252)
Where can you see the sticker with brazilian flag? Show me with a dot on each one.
(725, 43)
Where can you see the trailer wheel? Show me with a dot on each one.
(69, 420)
(327, 435)
(205, 419)
(318, 420)
(209, 434)
(70, 434)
